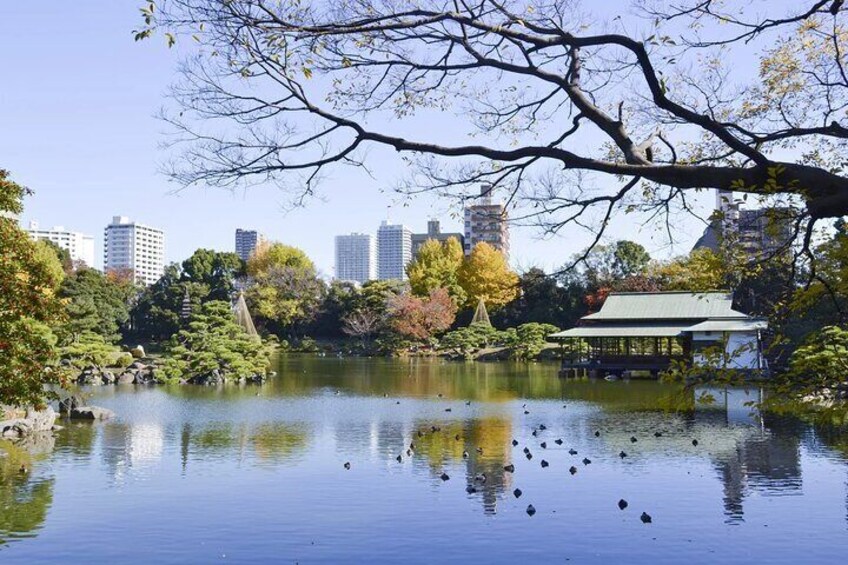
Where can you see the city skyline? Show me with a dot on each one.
(74, 116)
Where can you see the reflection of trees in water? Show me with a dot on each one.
(440, 449)
(418, 377)
(269, 442)
(24, 500)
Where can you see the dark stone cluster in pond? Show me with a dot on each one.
(138, 373)
(146, 373)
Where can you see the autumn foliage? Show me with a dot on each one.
(422, 318)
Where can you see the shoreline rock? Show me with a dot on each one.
(32, 422)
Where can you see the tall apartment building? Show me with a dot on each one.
(246, 242)
(434, 231)
(356, 257)
(394, 251)
(134, 247)
(758, 233)
(79, 246)
(486, 221)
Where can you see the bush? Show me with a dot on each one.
(89, 349)
(528, 340)
(822, 362)
(122, 360)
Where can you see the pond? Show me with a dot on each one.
(257, 474)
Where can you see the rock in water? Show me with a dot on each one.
(572, 451)
(543, 427)
(530, 510)
(470, 489)
(657, 434)
(399, 459)
(586, 461)
(509, 468)
(646, 518)
(572, 469)
(67, 405)
(347, 465)
(529, 456)
(622, 504)
(514, 443)
(622, 455)
(445, 477)
(517, 493)
(465, 455)
(558, 442)
(633, 439)
(695, 442)
(544, 463)
(544, 445)
(597, 434)
(91, 413)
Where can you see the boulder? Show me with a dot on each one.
(108, 378)
(137, 352)
(67, 405)
(127, 378)
(91, 413)
(137, 366)
(35, 421)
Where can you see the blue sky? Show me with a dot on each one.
(77, 106)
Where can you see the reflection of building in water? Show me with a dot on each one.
(125, 445)
(750, 452)
(763, 462)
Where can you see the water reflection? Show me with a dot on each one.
(702, 460)
(24, 499)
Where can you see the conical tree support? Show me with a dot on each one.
(481, 316)
(243, 316)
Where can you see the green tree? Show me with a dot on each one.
(206, 275)
(29, 276)
(216, 270)
(284, 290)
(213, 345)
(700, 271)
(822, 362)
(435, 266)
(95, 303)
(557, 300)
(607, 264)
(529, 340)
(486, 274)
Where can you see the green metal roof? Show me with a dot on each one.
(622, 330)
(729, 326)
(667, 306)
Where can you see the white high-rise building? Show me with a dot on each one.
(79, 246)
(356, 257)
(134, 247)
(246, 242)
(394, 251)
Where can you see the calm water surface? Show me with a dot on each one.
(255, 474)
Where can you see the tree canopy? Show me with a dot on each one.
(284, 291)
(683, 96)
(486, 275)
(435, 266)
(30, 273)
